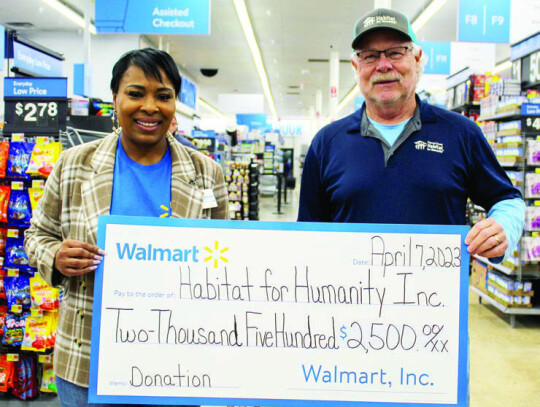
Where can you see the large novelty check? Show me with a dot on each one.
(274, 314)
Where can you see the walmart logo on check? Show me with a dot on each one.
(133, 251)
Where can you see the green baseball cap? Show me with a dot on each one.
(382, 18)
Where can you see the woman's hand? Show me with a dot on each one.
(75, 258)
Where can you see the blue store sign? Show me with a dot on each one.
(35, 87)
(253, 121)
(153, 16)
(484, 21)
(188, 93)
(35, 62)
(438, 54)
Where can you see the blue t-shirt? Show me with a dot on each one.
(141, 190)
(390, 132)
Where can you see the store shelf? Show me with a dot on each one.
(498, 267)
(465, 107)
(514, 114)
(506, 310)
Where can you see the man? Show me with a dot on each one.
(173, 129)
(400, 160)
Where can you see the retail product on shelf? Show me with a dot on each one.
(510, 120)
(242, 179)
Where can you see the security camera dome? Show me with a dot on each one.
(209, 72)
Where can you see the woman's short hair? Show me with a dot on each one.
(150, 60)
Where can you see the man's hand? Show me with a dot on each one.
(487, 238)
(75, 258)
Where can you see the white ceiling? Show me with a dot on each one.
(289, 32)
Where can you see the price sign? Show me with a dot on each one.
(530, 69)
(530, 124)
(35, 104)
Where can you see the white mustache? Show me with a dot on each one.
(385, 77)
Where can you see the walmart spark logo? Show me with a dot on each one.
(167, 213)
(216, 254)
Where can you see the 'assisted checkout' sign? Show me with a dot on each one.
(153, 16)
(272, 314)
(484, 21)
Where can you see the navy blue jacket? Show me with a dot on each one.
(426, 180)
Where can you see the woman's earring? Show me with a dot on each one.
(115, 125)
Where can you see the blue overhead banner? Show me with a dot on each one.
(82, 80)
(438, 54)
(153, 16)
(484, 21)
(35, 62)
(35, 87)
(188, 93)
(253, 121)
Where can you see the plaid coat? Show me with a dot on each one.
(79, 190)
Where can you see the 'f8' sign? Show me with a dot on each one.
(484, 21)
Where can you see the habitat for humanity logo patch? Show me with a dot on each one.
(429, 146)
(216, 254)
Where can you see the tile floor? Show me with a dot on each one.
(505, 362)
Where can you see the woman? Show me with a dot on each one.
(138, 170)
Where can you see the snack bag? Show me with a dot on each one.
(19, 383)
(17, 291)
(5, 191)
(6, 375)
(19, 157)
(51, 338)
(3, 237)
(43, 158)
(14, 329)
(3, 313)
(15, 255)
(35, 334)
(4, 154)
(35, 195)
(43, 295)
(48, 381)
(19, 212)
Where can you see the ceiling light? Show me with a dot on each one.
(69, 13)
(426, 15)
(502, 66)
(245, 22)
(210, 108)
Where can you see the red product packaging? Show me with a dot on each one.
(4, 154)
(5, 191)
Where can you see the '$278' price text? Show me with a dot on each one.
(33, 111)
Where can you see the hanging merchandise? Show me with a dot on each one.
(4, 154)
(15, 255)
(48, 380)
(35, 195)
(43, 295)
(14, 328)
(5, 191)
(19, 158)
(6, 374)
(43, 158)
(18, 291)
(19, 212)
(3, 313)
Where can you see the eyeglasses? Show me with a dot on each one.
(394, 54)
